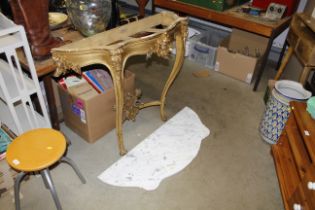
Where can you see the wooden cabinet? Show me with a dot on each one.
(301, 40)
(294, 157)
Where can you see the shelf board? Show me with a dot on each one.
(10, 41)
(8, 119)
(12, 88)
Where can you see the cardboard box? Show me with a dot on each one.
(89, 114)
(240, 54)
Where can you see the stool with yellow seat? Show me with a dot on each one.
(35, 151)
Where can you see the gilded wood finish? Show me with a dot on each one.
(154, 34)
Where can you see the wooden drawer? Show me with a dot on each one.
(305, 50)
(285, 166)
(297, 146)
(298, 201)
(309, 191)
(306, 127)
(301, 39)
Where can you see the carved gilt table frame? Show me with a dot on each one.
(153, 34)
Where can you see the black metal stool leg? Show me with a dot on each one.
(75, 168)
(17, 183)
(47, 178)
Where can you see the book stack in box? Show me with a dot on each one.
(100, 80)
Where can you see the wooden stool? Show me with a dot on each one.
(305, 72)
(301, 40)
(36, 151)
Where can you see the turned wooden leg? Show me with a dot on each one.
(179, 59)
(304, 75)
(141, 5)
(284, 63)
(53, 113)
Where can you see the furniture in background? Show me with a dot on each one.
(231, 18)
(18, 89)
(141, 5)
(154, 34)
(45, 69)
(35, 151)
(294, 157)
(301, 40)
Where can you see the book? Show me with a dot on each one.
(62, 83)
(73, 80)
(8, 130)
(2, 155)
(103, 77)
(5, 140)
(90, 78)
(84, 91)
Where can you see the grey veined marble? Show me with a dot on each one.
(165, 152)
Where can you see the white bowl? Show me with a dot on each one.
(292, 90)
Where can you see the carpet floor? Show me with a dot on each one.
(233, 170)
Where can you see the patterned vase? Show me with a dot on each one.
(278, 109)
(275, 116)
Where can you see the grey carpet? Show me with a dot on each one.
(234, 169)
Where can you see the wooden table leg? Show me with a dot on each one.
(284, 63)
(284, 47)
(179, 59)
(304, 75)
(119, 94)
(53, 113)
(141, 5)
(116, 70)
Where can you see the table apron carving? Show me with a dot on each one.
(154, 34)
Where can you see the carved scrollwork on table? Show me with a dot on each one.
(63, 66)
(184, 30)
(116, 62)
(132, 104)
(162, 46)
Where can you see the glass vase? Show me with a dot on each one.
(89, 16)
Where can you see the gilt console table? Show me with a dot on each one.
(154, 34)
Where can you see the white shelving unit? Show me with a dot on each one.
(17, 88)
